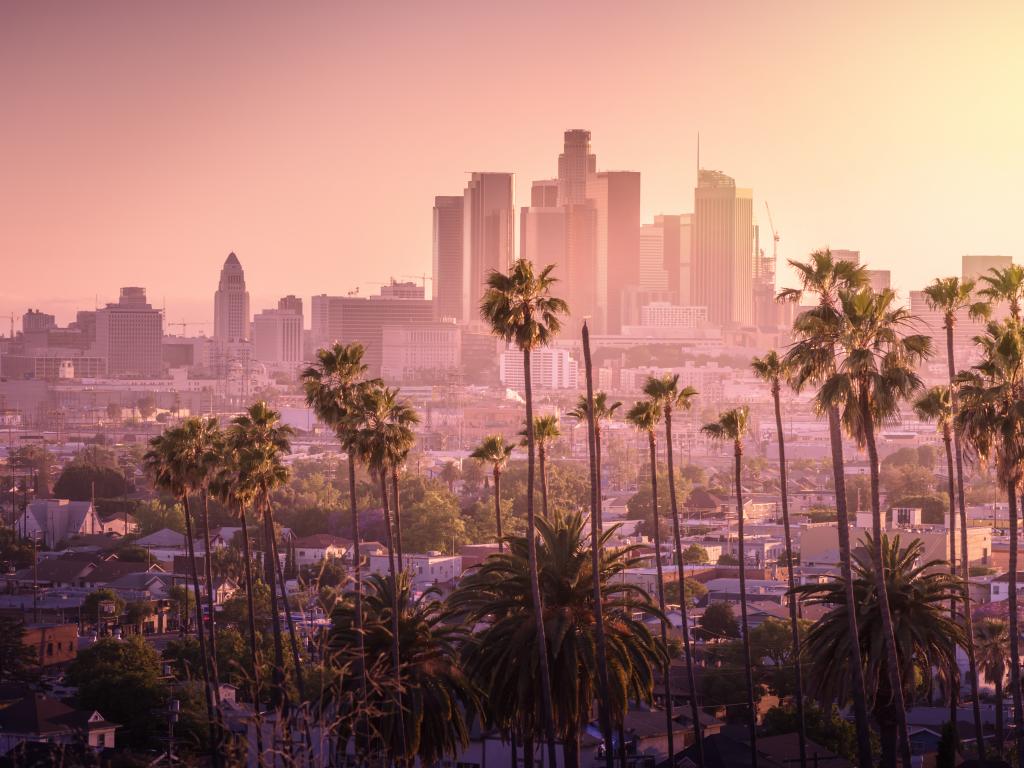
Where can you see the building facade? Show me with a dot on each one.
(231, 303)
(129, 335)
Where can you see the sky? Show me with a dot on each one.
(140, 143)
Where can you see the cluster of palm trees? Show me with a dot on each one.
(543, 631)
(241, 467)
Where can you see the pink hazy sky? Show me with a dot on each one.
(141, 142)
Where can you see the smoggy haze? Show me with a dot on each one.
(140, 144)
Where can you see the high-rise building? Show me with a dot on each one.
(448, 266)
(615, 197)
(291, 303)
(34, 321)
(420, 353)
(129, 335)
(974, 267)
(231, 303)
(406, 290)
(723, 249)
(488, 235)
(347, 319)
(576, 165)
(544, 193)
(653, 275)
(879, 280)
(550, 368)
(277, 336)
(843, 254)
(543, 237)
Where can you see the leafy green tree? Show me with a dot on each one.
(695, 591)
(435, 523)
(154, 515)
(718, 623)
(91, 605)
(825, 726)
(36, 459)
(136, 613)
(726, 559)
(639, 505)
(19, 663)
(695, 554)
(992, 639)
(78, 481)
(121, 679)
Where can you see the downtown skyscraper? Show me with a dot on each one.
(488, 226)
(448, 266)
(231, 303)
(723, 249)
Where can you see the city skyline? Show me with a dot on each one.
(896, 114)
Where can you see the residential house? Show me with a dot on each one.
(313, 550)
(54, 520)
(38, 718)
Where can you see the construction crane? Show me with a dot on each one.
(184, 324)
(775, 235)
(422, 278)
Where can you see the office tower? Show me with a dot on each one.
(653, 275)
(34, 321)
(615, 196)
(291, 303)
(347, 319)
(129, 335)
(544, 193)
(576, 165)
(975, 267)
(488, 239)
(842, 254)
(551, 368)
(448, 266)
(543, 238)
(879, 280)
(231, 303)
(723, 249)
(420, 354)
(277, 336)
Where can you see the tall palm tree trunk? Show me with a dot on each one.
(253, 646)
(751, 712)
(278, 696)
(865, 759)
(595, 558)
(396, 651)
(669, 718)
(600, 474)
(698, 732)
(542, 456)
(211, 709)
(497, 508)
(954, 668)
(361, 731)
(208, 575)
(881, 587)
(972, 658)
(397, 507)
(292, 635)
(1000, 726)
(547, 714)
(793, 623)
(1015, 692)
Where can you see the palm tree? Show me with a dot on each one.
(645, 415)
(952, 296)
(332, 388)
(233, 486)
(991, 420)
(666, 393)
(603, 411)
(402, 417)
(604, 702)
(875, 373)
(1006, 284)
(545, 432)
(733, 425)
(812, 360)
(450, 475)
(934, 405)
(504, 656)
(520, 310)
(917, 594)
(496, 452)
(165, 463)
(439, 699)
(774, 370)
(377, 443)
(991, 639)
(266, 440)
